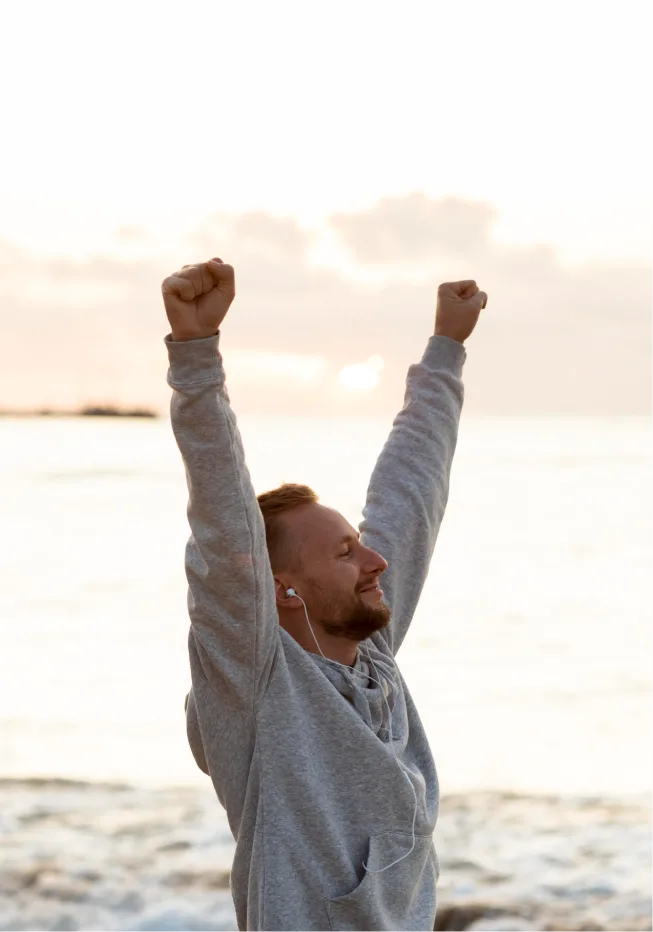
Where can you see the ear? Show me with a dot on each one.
(284, 601)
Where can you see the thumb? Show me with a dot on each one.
(481, 297)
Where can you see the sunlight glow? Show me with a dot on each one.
(288, 366)
(363, 376)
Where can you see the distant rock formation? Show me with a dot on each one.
(109, 411)
(88, 411)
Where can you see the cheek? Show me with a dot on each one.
(349, 577)
(341, 576)
(337, 581)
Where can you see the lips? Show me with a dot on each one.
(374, 588)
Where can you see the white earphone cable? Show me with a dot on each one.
(349, 671)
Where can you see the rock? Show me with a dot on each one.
(173, 846)
(457, 918)
(207, 879)
(86, 873)
(18, 877)
(60, 887)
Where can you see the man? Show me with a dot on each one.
(297, 711)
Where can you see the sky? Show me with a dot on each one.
(345, 158)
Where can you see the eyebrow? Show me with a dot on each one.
(349, 538)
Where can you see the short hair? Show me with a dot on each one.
(282, 549)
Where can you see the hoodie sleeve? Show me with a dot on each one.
(231, 599)
(409, 487)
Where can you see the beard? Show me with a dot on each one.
(358, 620)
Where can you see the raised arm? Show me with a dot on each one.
(409, 487)
(231, 599)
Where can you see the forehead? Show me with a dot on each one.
(315, 526)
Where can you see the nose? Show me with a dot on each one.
(376, 561)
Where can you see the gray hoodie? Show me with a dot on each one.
(301, 759)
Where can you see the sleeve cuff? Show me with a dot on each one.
(193, 362)
(445, 353)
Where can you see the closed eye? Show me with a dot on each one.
(349, 539)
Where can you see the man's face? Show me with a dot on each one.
(333, 571)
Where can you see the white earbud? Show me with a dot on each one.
(290, 592)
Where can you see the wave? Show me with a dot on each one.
(81, 855)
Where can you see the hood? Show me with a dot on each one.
(370, 685)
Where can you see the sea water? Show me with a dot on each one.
(528, 657)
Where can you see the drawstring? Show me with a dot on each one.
(394, 754)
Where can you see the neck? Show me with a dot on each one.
(343, 652)
(340, 649)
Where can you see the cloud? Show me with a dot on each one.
(553, 338)
(416, 227)
(132, 234)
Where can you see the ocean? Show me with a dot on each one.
(528, 657)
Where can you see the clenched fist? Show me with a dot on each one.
(197, 299)
(458, 309)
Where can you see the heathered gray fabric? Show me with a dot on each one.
(300, 760)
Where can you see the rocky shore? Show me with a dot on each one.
(98, 856)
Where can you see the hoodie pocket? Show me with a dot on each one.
(399, 898)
